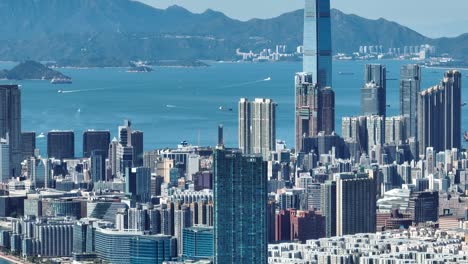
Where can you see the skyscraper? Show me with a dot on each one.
(315, 99)
(28, 144)
(125, 132)
(328, 207)
(355, 204)
(257, 126)
(4, 161)
(373, 93)
(61, 144)
(375, 132)
(10, 124)
(410, 86)
(240, 201)
(137, 144)
(327, 110)
(96, 140)
(439, 115)
(395, 129)
(306, 108)
(317, 42)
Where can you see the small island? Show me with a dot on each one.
(32, 70)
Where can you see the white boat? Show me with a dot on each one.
(267, 79)
(61, 81)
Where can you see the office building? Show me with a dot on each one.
(198, 242)
(113, 246)
(355, 204)
(317, 45)
(424, 206)
(10, 124)
(28, 144)
(315, 99)
(138, 184)
(257, 126)
(439, 114)
(373, 93)
(240, 202)
(125, 132)
(151, 249)
(98, 165)
(137, 144)
(61, 144)
(410, 86)
(96, 140)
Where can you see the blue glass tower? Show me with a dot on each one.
(240, 204)
(317, 42)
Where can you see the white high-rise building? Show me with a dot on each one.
(257, 126)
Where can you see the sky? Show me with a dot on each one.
(433, 18)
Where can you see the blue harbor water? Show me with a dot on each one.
(4, 261)
(175, 104)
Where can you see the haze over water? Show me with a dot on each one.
(174, 104)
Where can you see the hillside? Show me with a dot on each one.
(114, 32)
(31, 70)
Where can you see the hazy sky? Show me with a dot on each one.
(433, 18)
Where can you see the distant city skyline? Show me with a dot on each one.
(412, 14)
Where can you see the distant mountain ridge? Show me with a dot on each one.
(114, 32)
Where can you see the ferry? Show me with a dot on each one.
(61, 81)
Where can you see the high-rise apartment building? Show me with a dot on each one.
(10, 124)
(61, 144)
(328, 207)
(375, 132)
(306, 109)
(257, 126)
(240, 204)
(96, 140)
(355, 204)
(373, 93)
(439, 114)
(354, 129)
(410, 86)
(4, 161)
(395, 129)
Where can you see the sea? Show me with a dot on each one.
(171, 105)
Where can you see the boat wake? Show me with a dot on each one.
(82, 90)
(247, 83)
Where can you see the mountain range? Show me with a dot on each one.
(114, 32)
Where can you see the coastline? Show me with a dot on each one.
(11, 259)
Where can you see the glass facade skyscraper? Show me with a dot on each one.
(373, 93)
(10, 124)
(317, 42)
(410, 86)
(240, 204)
(315, 99)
